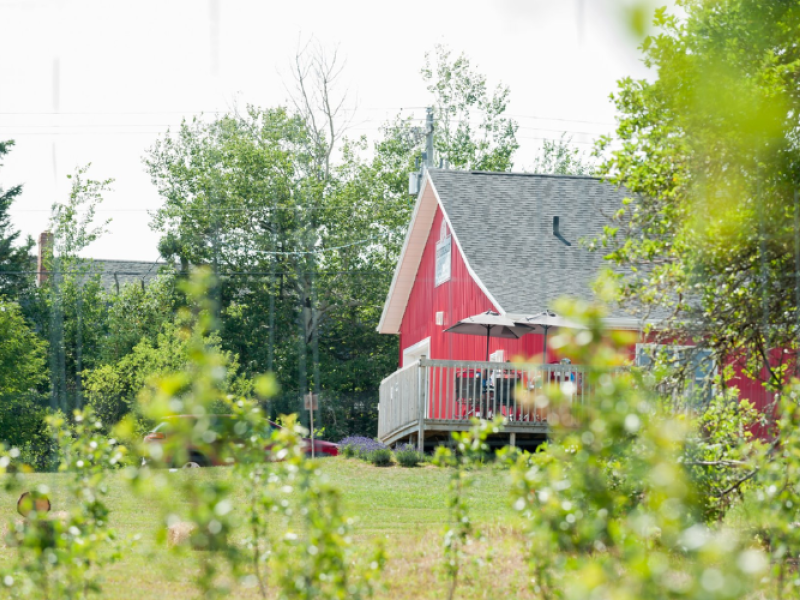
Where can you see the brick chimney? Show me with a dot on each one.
(45, 252)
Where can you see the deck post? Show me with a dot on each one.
(512, 439)
(422, 388)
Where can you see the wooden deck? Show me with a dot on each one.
(425, 401)
(438, 431)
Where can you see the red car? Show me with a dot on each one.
(209, 456)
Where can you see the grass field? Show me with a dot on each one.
(406, 508)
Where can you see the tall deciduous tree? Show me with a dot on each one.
(305, 225)
(73, 295)
(560, 157)
(298, 244)
(709, 151)
(472, 129)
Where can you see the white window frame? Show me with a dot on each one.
(642, 348)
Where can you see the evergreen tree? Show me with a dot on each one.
(15, 261)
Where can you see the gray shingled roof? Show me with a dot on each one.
(504, 222)
(115, 274)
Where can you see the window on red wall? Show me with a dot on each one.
(697, 363)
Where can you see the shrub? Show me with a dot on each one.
(359, 446)
(509, 456)
(293, 516)
(63, 556)
(408, 456)
(382, 457)
(470, 449)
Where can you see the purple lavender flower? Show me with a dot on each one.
(358, 445)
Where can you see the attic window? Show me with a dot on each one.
(557, 231)
(443, 230)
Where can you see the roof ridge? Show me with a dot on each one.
(518, 174)
(120, 260)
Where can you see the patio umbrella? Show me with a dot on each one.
(544, 322)
(490, 324)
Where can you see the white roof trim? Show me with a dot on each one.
(405, 272)
(629, 323)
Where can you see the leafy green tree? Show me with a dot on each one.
(298, 250)
(610, 506)
(114, 390)
(73, 303)
(23, 372)
(135, 313)
(22, 353)
(298, 540)
(472, 130)
(559, 157)
(304, 226)
(16, 264)
(708, 150)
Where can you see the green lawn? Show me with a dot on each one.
(406, 508)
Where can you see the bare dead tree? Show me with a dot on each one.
(317, 98)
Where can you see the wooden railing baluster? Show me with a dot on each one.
(429, 390)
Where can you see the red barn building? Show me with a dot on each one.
(477, 241)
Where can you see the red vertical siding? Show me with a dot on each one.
(458, 298)
(754, 391)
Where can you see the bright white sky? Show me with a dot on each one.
(127, 71)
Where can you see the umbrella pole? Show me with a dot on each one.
(544, 354)
(488, 331)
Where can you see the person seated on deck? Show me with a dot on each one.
(566, 361)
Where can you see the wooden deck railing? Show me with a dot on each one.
(430, 391)
(400, 399)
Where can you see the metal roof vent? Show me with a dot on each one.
(557, 232)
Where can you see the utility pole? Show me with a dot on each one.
(79, 351)
(272, 294)
(415, 179)
(217, 282)
(429, 162)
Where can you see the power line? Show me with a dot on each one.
(555, 140)
(319, 250)
(229, 112)
(175, 112)
(160, 132)
(562, 131)
(131, 132)
(96, 125)
(560, 119)
(112, 113)
(358, 125)
(256, 210)
(139, 275)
